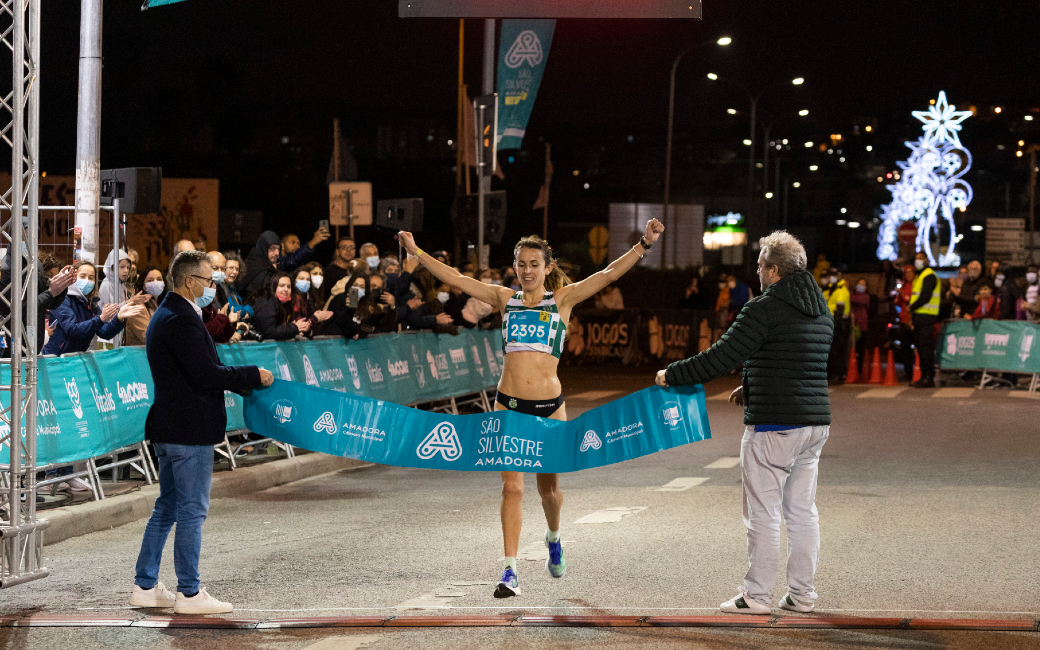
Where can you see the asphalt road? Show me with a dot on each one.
(928, 507)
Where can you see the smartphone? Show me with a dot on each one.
(323, 223)
(352, 298)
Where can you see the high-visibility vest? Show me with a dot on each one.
(930, 308)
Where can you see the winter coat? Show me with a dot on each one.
(45, 300)
(782, 338)
(274, 320)
(76, 324)
(259, 269)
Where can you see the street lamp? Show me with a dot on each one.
(765, 157)
(753, 98)
(724, 41)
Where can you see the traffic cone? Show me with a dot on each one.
(853, 376)
(864, 374)
(875, 368)
(890, 371)
(917, 366)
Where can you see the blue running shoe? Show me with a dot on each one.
(509, 586)
(556, 563)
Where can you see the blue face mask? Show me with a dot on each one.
(303, 286)
(373, 261)
(219, 277)
(86, 286)
(207, 297)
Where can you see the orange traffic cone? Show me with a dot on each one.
(890, 371)
(853, 376)
(917, 366)
(875, 368)
(864, 374)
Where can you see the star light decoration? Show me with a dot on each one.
(931, 185)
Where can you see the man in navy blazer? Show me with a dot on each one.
(186, 419)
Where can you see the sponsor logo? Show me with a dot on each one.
(375, 373)
(527, 48)
(73, 390)
(308, 372)
(325, 423)
(433, 364)
(229, 399)
(507, 451)
(283, 411)
(282, 364)
(442, 440)
(458, 355)
(364, 431)
(591, 441)
(965, 344)
(397, 369)
(951, 345)
(334, 374)
(671, 414)
(491, 359)
(104, 401)
(997, 339)
(132, 393)
(45, 407)
(355, 376)
(512, 402)
(1027, 343)
(476, 359)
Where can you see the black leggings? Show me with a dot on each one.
(540, 407)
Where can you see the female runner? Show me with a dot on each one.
(529, 383)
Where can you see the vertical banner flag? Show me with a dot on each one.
(522, 54)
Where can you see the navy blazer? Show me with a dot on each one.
(190, 380)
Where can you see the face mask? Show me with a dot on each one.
(281, 298)
(497, 283)
(832, 279)
(155, 287)
(1031, 278)
(919, 264)
(443, 296)
(998, 281)
(86, 286)
(732, 285)
(207, 297)
(316, 280)
(392, 277)
(860, 288)
(219, 277)
(360, 293)
(303, 286)
(973, 275)
(373, 261)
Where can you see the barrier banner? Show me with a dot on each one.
(93, 402)
(1006, 345)
(522, 55)
(376, 431)
(603, 336)
(668, 335)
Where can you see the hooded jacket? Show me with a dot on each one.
(107, 291)
(782, 338)
(259, 269)
(76, 324)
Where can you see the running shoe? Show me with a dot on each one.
(556, 563)
(509, 586)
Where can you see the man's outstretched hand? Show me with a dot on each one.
(737, 396)
(660, 380)
(266, 378)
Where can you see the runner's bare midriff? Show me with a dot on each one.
(530, 375)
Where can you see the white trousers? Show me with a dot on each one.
(779, 470)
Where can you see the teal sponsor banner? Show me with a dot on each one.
(1009, 346)
(149, 4)
(377, 431)
(91, 403)
(522, 55)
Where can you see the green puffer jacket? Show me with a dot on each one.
(782, 338)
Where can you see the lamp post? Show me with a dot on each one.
(765, 154)
(725, 40)
(753, 98)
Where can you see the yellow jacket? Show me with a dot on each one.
(839, 294)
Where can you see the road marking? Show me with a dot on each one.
(681, 484)
(723, 396)
(886, 392)
(1022, 394)
(343, 643)
(609, 515)
(954, 392)
(592, 395)
(427, 601)
(724, 463)
(468, 584)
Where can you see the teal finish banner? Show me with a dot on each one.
(148, 4)
(373, 430)
(94, 402)
(522, 55)
(1009, 346)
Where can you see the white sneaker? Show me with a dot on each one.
(157, 596)
(791, 604)
(79, 485)
(201, 603)
(740, 604)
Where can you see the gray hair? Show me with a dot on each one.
(185, 264)
(783, 250)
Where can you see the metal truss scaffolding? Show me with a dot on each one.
(21, 536)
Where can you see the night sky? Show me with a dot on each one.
(215, 87)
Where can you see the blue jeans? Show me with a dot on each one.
(185, 474)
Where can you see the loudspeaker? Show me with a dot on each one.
(465, 218)
(400, 214)
(139, 189)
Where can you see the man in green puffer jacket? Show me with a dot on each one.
(782, 338)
